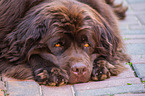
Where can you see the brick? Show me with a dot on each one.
(138, 6)
(23, 88)
(123, 27)
(129, 20)
(106, 84)
(141, 18)
(140, 36)
(135, 88)
(137, 41)
(135, 1)
(133, 32)
(138, 59)
(66, 90)
(140, 70)
(136, 27)
(141, 94)
(136, 49)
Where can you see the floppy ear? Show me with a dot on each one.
(22, 39)
(107, 41)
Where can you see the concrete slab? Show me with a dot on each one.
(58, 91)
(140, 70)
(23, 88)
(112, 90)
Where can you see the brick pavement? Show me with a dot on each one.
(129, 83)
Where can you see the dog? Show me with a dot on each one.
(57, 42)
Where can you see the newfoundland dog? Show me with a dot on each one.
(56, 42)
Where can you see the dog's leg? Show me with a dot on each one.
(47, 73)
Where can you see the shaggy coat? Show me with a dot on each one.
(61, 41)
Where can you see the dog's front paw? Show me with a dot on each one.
(100, 72)
(51, 76)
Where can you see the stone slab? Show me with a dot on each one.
(137, 27)
(140, 70)
(66, 90)
(141, 18)
(138, 59)
(112, 90)
(106, 84)
(136, 49)
(133, 32)
(23, 88)
(135, 1)
(129, 94)
(129, 20)
(138, 6)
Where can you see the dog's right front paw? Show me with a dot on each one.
(51, 76)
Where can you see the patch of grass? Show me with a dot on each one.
(143, 81)
(129, 84)
(141, 56)
(129, 63)
(126, 38)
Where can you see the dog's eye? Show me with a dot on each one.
(86, 45)
(59, 44)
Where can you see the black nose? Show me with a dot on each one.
(79, 69)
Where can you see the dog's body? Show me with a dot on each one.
(60, 41)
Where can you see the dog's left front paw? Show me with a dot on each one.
(100, 72)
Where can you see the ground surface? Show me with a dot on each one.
(129, 83)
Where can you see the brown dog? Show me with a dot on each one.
(60, 41)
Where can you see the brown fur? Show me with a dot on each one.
(30, 28)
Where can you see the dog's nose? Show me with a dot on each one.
(79, 69)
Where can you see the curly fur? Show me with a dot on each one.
(27, 25)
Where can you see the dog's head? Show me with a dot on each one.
(71, 35)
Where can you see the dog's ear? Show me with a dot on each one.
(106, 39)
(22, 39)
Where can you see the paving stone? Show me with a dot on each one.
(135, 49)
(133, 32)
(135, 88)
(130, 20)
(135, 1)
(137, 41)
(66, 90)
(140, 70)
(137, 27)
(123, 27)
(141, 94)
(106, 84)
(138, 59)
(141, 18)
(138, 6)
(22, 88)
(140, 36)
